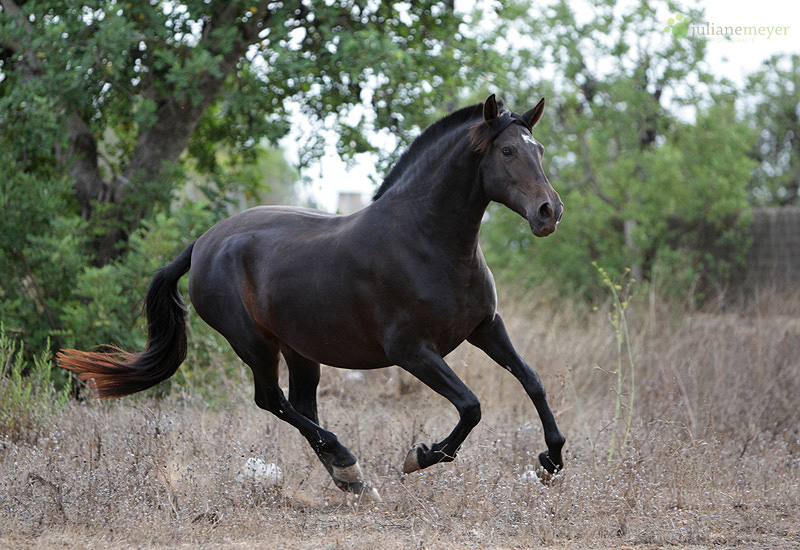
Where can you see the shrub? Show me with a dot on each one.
(28, 395)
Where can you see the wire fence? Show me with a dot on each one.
(774, 256)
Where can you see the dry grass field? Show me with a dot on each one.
(712, 458)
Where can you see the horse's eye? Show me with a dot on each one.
(507, 151)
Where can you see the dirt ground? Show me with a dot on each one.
(709, 460)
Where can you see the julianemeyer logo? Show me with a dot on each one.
(678, 26)
(681, 27)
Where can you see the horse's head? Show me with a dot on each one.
(511, 166)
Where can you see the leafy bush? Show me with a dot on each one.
(105, 305)
(670, 208)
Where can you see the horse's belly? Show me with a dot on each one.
(336, 340)
(348, 329)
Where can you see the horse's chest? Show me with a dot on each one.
(443, 306)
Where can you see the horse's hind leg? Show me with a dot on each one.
(262, 357)
(303, 382)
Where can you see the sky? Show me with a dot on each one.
(731, 59)
(736, 59)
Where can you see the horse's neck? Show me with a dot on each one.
(440, 196)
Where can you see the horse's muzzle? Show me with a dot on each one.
(544, 220)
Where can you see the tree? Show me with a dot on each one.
(106, 106)
(636, 178)
(774, 93)
(125, 85)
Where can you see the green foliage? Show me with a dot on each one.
(774, 94)
(28, 396)
(40, 251)
(108, 108)
(105, 305)
(640, 185)
(231, 184)
(131, 127)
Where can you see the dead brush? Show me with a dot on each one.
(711, 461)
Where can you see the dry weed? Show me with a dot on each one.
(713, 459)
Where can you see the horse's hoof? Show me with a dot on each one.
(347, 474)
(548, 464)
(548, 473)
(349, 479)
(411, 463)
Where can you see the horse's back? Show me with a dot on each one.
(261, 244)
(266, 218)
(267, 224)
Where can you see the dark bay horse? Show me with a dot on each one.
(401, 282)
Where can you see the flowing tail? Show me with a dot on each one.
(116, 372)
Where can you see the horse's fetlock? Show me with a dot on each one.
(556, 442)
(472, 413)
(445, 457)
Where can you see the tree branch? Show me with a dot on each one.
(166, 139)
(160, 144)
(31, 63)
(589, 173)
(588, 170)
(83, 166)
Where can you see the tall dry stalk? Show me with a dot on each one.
(620, 300)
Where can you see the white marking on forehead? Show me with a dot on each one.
(529, 138)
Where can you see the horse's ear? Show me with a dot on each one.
(532, 117)
(490, 109)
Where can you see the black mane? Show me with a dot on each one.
(431, 134)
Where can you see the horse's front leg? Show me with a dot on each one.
(492, 337)
(424, 363)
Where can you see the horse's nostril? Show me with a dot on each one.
(545, 211)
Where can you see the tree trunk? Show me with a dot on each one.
(629, 227)
(158, 146)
